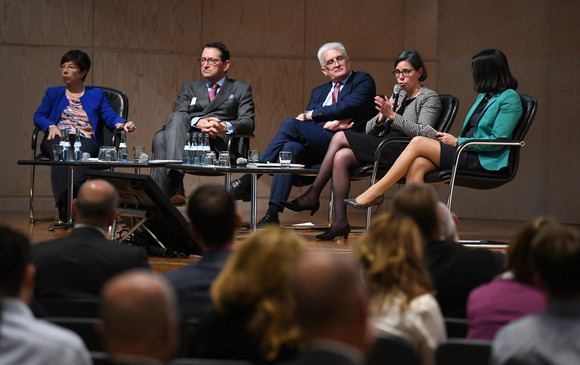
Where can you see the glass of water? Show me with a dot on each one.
(224, 159)
(285, 159)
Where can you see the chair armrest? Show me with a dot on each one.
(379, 151)
(242, 148)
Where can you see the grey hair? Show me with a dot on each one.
(328, 46)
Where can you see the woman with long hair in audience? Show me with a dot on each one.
(513, 294)
(494, 115)
(251, 319)
(402, 301)
(418, 107)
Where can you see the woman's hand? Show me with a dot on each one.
(53, 132)
(129, 127)
(385, 106)
(447, 138)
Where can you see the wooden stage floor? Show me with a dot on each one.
(469, 229)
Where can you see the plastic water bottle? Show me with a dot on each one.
(196, 149)
(187, 149)
(66, 148)
(204, 148)
(77, 154)
(123, 153)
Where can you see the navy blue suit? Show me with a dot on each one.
(308, 140)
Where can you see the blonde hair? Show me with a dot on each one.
(256, 279)
(391, 254)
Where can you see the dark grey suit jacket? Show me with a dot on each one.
(77, 265)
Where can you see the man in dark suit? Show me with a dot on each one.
(455, 270)
(78, 264)
(216, 105)
(213, 222)
(331, 305)
(346, 102)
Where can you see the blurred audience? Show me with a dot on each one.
(549, 337)
(447, 223)
(402, 303)
(139, 319)
(513, 294)
(213, 223)
(251, 319)
(77, 265)
(332, 309)
(455, 270)
(23, 338)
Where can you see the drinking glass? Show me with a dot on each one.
(103, 153)
(57, 152)
(285, 159)
(224, 159)
(209, 159)
(139, 154)
(253, 156)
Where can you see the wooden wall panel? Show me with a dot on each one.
(46, 22)
(420, 28)
(256, 27)
(169, 25)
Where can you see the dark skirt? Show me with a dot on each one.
(364, 146)
(467, 161)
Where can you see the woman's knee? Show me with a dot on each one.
(344, 157)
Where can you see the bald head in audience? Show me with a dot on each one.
(96, 204)
(331, 301)
(139, 317)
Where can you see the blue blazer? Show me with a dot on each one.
(94, 103)
(497, 121)
(356, 100)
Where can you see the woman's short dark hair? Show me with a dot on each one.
(224, 52)
(414, 58)
(491, 72)
(79, 58)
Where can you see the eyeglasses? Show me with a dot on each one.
(405, 72)
(339, 59)
(211, 61)
(68, 67)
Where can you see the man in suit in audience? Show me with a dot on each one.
(345, 102)
(77, 265)
(24, 339)
(213, 223)
(139, 320)
(216, 105)
(331, 306)
(454, 269)
(549, 337)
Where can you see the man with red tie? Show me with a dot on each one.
(346, 102)
(216, 105)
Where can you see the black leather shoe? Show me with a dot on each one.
(268, 219)
(296, 207)
(239, 191)
(331, 233)
(376, 201)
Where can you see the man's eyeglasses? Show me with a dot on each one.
(405, 72)
(339, 59)
(68, 67)
(211, 61)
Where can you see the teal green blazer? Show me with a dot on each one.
(498, 120)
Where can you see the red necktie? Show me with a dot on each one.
(335, 93)
(213, 91)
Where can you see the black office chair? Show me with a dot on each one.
(489, 179)
(463, 351)
(393, 350)
(88, 308)
(84, 327)
(120, 104)
(456, 327)
(449, 106)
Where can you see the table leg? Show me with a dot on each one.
(253, 203)
(71, 183)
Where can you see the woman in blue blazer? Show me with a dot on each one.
(74, 107)
(494, 115)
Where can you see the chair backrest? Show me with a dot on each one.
(120, 104)
(393, 350)
(456, 327)
(529, 106)
(463, 351)
(84, 327)
(70, 307)
(449, 105)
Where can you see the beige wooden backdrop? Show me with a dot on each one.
(147, 48)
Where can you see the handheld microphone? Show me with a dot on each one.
(396, 91)
(241, 161)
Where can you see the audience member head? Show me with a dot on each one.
(256, 281)
(139, 316)
(79, 58)
(16, 270)
(391, 255)
(491, 72)
(213, 217)
(414, 58)
(419, 202)
(556, 257)
(96, 203)
(518, 255)
(447, 223)
(331, 301)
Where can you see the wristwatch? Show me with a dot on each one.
(304, 114)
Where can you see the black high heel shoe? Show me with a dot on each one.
(296, 207)
(330, 233)
(376, 201)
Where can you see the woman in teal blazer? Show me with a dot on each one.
(494, 115)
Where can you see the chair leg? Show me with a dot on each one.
(31, 196)
(330, 204)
